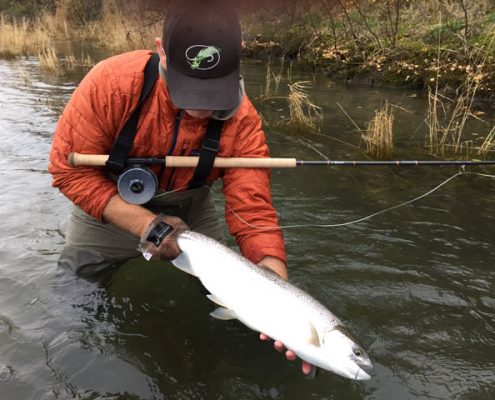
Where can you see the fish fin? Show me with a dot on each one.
(223, 313)
(182, 262)
(216, 300)
(311, 336)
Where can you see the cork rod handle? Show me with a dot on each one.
(99, 160)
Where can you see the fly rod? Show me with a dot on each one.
(99, 160)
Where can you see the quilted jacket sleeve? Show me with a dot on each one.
(249, 213)
(89, 124)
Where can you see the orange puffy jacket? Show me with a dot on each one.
(98, 110)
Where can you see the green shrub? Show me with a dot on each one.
(447, 28)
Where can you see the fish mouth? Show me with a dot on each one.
(361, 375)
(364, 370)
(356, 370)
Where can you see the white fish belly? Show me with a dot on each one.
(256, 300)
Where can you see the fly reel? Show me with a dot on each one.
(137, 185)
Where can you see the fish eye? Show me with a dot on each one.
(358, 352)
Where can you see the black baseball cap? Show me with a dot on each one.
(202, 41)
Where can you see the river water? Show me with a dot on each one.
(415, 284)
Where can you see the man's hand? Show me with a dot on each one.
(168, 249)
(276, 265)
(279, 267)
(306, 367)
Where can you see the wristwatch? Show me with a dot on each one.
(158, 233)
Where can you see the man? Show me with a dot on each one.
(199, 81)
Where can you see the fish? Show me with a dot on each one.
(265, 302)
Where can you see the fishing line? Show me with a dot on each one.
(169, 192)
(356, 221)
(350, 222)
(306, 143)
(480, 174)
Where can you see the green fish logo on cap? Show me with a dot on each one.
(209, 54)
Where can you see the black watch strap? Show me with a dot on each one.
(158, 233)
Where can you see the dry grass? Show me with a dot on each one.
(118, 33)
(303, 113)
(488, 145)
(272, 81)
(70, 61)
(124, 32)
(49, 61)
(87, 61)
(113, 30)
(22, 38)
(446, 131)
(19, 38)
(379, 134)
(447, 118)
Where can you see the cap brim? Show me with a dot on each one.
(214, 94)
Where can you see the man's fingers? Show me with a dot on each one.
(168, 249)
(264, 337)
(307, 368)
(290, 355)
(279, 346)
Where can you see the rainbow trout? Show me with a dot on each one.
(263, 301)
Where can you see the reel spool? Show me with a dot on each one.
(137, 185)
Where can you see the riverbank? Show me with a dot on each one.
(408, 44)
(400, 43)
(443, 47)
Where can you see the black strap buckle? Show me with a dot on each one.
(211, 144)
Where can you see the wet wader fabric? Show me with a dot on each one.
(94, 248)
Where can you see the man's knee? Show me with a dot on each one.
(86, 263)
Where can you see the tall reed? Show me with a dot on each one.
(379, 134)
(447, 118)
(49, 61)
(21, 38)
(272, 80)
(303, 113)
(488, 145)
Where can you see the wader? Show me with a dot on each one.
(94, 249)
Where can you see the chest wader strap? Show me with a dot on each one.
(125, 139)
(209, 150)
